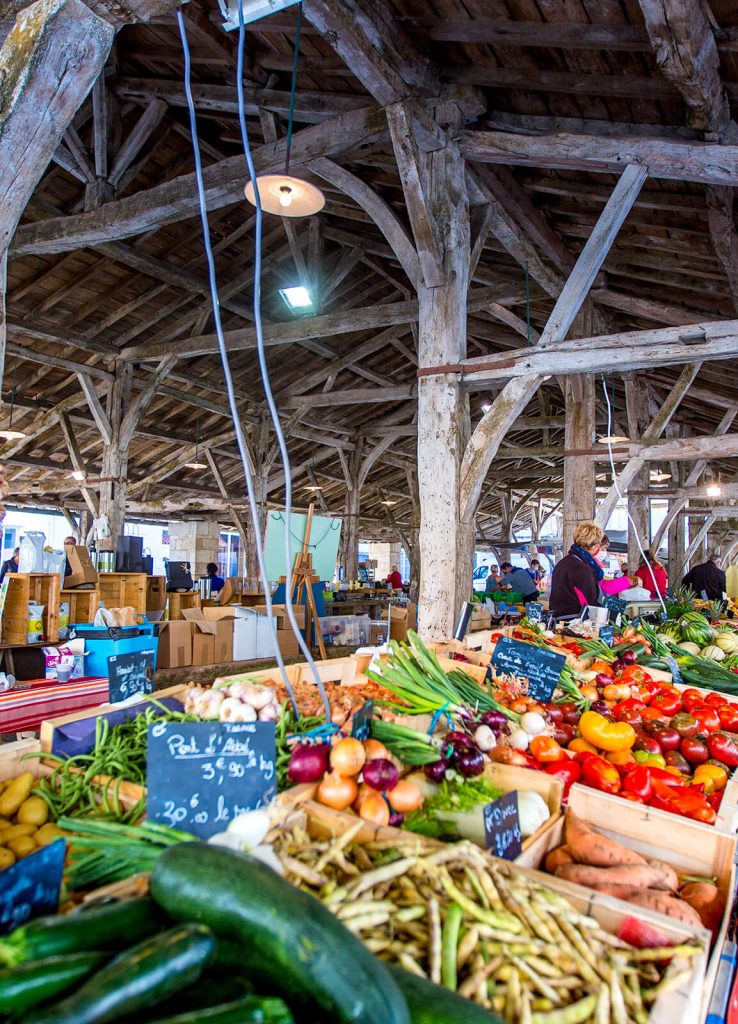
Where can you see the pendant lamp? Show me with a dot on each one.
(196, 464)
(10, 434)
(284, 194)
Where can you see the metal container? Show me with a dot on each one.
(106, 561)
(205, 586)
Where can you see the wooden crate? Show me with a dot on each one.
(682, 1004)
(83, 604)
(688, 846)
(181, 602)
(123, 590)
(156, 593)
(23, 588)
(11, 759)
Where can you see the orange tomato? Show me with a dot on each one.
(337, 791)
(578, 745)
(546, 750)
(375, 810)
(348, 757)
(620, 757)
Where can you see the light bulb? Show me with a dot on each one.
(79, 474)
(713, 491)
(285, 195)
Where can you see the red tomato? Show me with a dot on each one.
(629, 710)
(707, 717)
(634, 674)
(694, 750)
(667, 738)
(667, 702)
(653, 714)
(728, 714)
(692, 699)
(716, 700)
(648, 743)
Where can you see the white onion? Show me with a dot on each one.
(484, 738)
(519, 739)
(250, 828)
(533, 723)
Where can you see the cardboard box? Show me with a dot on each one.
(223, 642)
(279, 611)
(83, 571)
(204, 632)
(288, 645)
(377, 633)
(253, 637)
(175, 644)
(401, 620)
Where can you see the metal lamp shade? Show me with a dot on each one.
(286, 196)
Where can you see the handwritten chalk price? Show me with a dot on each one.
(502, 827)
(542, 668)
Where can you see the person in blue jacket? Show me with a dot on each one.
(216, 582)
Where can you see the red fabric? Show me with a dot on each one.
(27, 709)
(395, 580)
(644, 575)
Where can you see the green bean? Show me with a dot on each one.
(449, 946)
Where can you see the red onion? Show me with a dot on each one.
(469, 763)
(396, 819)
(617, 666)
(308, 762)
(602, 708)
(435, 771)
(628, 657)
(602, 679)
(458, 739)
(381, 774)
(494, 719)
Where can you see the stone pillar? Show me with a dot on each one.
(194, 541)
(579, 471)
(446, 543)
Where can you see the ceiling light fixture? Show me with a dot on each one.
(10, 434)
(486, 407)
(196, 463)
(78, 474)
(297, 297)
(713, 490)
(388, 503)
(284, 194)
(612, 439)
(252, 10)
(658, 477)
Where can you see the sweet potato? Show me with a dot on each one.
(589, 847)
(663, 903)
(640, 876)
(620, 892)
(707, 901)
(558, 857)
(671, 879)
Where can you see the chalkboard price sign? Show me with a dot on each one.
(616, 606)
(31, 886)
(129, 674)
(676, 672)
(534, 611)
(541, 667)
(362, 722)
(607, 635)
(202, 775)
(502, 827)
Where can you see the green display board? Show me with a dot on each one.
(325, 534)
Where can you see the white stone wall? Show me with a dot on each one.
(194, 541)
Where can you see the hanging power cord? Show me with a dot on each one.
(241, 442)
(646, 562)
(260, 347)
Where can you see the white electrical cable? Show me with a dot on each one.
(233, 405)
(619, 494)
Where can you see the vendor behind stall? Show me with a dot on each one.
(576, 578)
(216, 582)
(519, 580)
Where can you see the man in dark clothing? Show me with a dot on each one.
(520, 581)
(708, 577)
(10, 565)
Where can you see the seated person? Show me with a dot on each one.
(216, 582)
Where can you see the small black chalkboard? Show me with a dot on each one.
(676, 673)
(362, 723)
(541, 667)
(129, 674)
(534, 611)
(607, 635)
(615, 606)
(502, 827)
(30, 887)
(463, 624)
(202, 775)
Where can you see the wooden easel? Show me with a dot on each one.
(304, 577)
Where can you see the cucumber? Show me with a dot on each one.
(249, 1010)
(33, 983)
(292, 945)
(141, 977)
(111, 927)
(431, 1004)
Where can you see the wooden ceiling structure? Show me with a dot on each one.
(548, 103)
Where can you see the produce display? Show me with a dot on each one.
(24, 820)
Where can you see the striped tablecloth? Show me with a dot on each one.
(25, 709)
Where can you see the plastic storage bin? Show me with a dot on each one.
(102, 643)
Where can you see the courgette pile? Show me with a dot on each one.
(222, 940)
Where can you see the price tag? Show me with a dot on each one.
(502, 827)
(129, 674)
(541, 667)
(615, 606)
(607, 635)
(362, 721)
(30, 887)
(201, 775)
(676, 674)
(534, 611)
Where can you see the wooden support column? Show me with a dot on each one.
(114, 471)
(639, 507)
(579, 434)
(677, 546)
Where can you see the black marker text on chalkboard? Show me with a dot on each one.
(542, 668)
(502, 827)
(202, 775)
(30, 887)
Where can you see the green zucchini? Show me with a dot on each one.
(34, 982)
(249, 1010)
(141, 977)
(292, 945)
(432, 1004)
(110, 927)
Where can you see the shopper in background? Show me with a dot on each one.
(519, 580)
(10, 564)
(536, 573)
(652, 572)
(216, 582)
(576, 578)
(494, 579)
(71, 542)
(708, 577)
(610, 588)
(394, 579)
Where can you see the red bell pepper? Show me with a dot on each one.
(637, 782)
(723, 746)
(568, 771)
(681, 800)
(600, 774)
(715, 799)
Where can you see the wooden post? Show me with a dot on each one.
(579, 434)
(114, 471)
(639, 507)
(676, 543)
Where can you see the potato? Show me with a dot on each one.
(15, 832)
(48, 833)
(22, 846)
(18, 791)
(7, 858)
(5, 823)
(33, 811)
